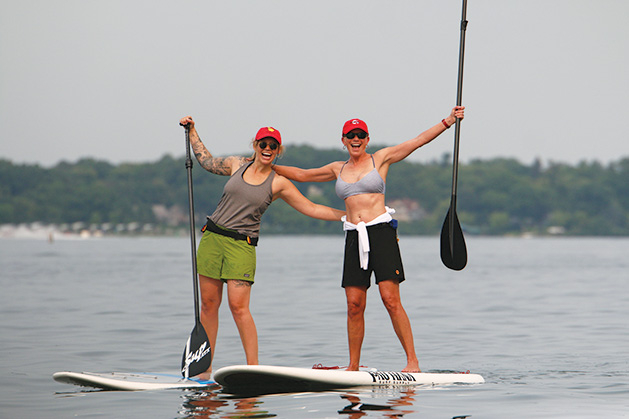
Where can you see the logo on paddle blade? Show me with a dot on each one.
(195, 356)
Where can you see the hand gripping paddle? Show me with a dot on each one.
(453, 250)
(197, 355)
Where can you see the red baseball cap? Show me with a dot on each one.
(265, 132)
(354, 124)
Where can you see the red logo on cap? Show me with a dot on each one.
(354, 124)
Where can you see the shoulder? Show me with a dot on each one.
(280, 181)
(282, 187)
(237, 162)
(381, 156)
(335, 166)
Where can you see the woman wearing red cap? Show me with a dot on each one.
(226, 252)
(371, 236)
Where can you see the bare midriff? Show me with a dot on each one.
(364, 207)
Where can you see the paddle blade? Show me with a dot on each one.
(197, 356)
(453, 250)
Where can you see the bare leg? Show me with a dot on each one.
(211, 296)
(356, 303)
(390, 294)
(239, 295)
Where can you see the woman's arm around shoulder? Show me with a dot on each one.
(284, 189)
(321, 174)
(218, 165)
(394, 154)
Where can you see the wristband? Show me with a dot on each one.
(445, 124)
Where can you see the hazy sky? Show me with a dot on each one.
(110, 79)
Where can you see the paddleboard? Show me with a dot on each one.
(129, 381)
(274, 379)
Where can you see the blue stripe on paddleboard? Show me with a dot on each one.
(158, 374)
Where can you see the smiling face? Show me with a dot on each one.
(267, 149)
(356, 141)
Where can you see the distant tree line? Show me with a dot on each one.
(495, 197)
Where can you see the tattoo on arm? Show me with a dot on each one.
(216, 165)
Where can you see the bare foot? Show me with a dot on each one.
(412, 367)
(204, 376)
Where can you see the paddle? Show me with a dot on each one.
(197, 355)
(453, 250)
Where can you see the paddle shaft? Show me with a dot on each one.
(193, 246)
(453, 249)
(197, 355)
(457, 128)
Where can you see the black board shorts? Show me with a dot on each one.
(384, 257)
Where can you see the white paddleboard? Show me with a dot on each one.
(129, 381)
(267, 378)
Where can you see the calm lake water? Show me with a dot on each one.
(545, 321)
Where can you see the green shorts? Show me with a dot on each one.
(221, 257)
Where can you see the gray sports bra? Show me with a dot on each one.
(372, 182)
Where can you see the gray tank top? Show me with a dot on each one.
(372, 182)
(242, 205)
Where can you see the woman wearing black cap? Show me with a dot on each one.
(227, 249)
(371, 238)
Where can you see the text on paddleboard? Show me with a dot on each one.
(386, 377)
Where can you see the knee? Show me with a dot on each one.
(239, 310)
(392, 303)
(210, 304)
(355, 308)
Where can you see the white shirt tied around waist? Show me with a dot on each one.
(363, 237)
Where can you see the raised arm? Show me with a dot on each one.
(218, 165)
(399, 152)
(320, 174)
(284, 189)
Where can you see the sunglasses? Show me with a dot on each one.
(350, 136)
(272, 145)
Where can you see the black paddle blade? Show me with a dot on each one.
(453, 250)
(197, 356)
